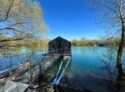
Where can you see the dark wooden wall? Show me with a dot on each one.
(59, 46)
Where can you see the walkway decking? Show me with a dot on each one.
(33, 73)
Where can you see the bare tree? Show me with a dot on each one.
(114, 13)
(20, 17)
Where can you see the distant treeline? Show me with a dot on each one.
(102, 42)
(12, 42)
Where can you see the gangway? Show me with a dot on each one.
(66, 60)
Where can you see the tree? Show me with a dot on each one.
(114, 13)
(75, 42)
(20, 18)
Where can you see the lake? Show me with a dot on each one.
(92, 68)
(14, 56)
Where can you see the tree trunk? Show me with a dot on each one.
(120, 53)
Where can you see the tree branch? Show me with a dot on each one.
(8, 11)
(11, 27)
(112, 10)
(11, 4)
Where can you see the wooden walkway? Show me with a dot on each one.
(31, 75)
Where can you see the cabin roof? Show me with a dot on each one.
(59, 38)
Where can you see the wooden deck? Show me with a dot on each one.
(28, 74)
(31, 75)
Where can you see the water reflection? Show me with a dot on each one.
(12, 57)
(51, 73)
(87, 71)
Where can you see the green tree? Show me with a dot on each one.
(20, 18)
(75, 42)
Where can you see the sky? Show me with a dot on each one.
(71, 19)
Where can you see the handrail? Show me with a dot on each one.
(58, 72)
(58, 78)
(14, 66)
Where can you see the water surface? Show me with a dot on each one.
(89, 67)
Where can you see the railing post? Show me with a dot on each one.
(30, 73)
(11, 66)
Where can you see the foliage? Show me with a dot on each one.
(29, 43)
(86, 42)
(21, 18)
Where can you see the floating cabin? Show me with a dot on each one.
(59, 45)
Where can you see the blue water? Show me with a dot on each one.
(87, 68)
(15, 57)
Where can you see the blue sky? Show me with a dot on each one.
(70, 19)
